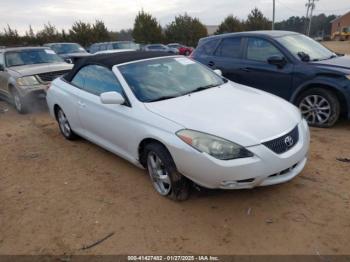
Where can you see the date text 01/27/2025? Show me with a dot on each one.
(173, 258)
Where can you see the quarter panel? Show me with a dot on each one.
(65, 96)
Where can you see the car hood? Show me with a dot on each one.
(241, 114)
(28, 70)
(342, 62)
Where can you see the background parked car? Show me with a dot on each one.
(120, 45)
(287, 64)
(68, 51)
(160, 48)
(26, 72)
(183, 50)
(114, 51)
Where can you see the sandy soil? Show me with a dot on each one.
(57, 196)
(338, 46)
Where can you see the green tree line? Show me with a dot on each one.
(183, 29)
(257, 21)
(80, 32)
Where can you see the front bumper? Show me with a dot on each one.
(265, 168)
(38, 91)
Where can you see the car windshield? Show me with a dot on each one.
(125, 45)
(298, 44)
(31, 56)
(67, 48)
(165, 78)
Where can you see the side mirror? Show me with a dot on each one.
(218, 72)
(2, 68)
(68, 60)
(112, 98)
(276, 60)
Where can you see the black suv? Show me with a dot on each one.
(287, 64)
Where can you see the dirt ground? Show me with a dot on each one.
(338, 46)
(58, 196)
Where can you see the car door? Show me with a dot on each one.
(258, 73)
(106, 125)
(228, 58)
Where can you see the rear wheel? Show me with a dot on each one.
(166, 180)
(320, 107)
(19, 102)
(64, 125)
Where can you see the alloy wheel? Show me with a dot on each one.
(315, 109)
(63, 123)
(158, 173)
(18, 102)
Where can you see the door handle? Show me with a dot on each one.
(81, 104)
(211, 63)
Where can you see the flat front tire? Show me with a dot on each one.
(166, 180)
(320, 107)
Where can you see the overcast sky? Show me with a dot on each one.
(120, 14)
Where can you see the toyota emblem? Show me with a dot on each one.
(289, 141)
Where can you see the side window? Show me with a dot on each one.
(78, 79)
(97, 80)
(260, 50)
(229, 47)
(208, 47)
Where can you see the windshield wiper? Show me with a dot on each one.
(332, 56)
(201, 88)
(192, 91)
(327, 58)
(16, 65)
(162, 98)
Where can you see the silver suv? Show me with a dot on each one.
(26, 72)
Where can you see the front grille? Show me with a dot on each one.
(284, 143)
(49, 76)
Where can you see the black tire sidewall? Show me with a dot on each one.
(332, 100)
(180, 186)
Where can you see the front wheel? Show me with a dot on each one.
(166, 180)
(320, 107)
(19, 102)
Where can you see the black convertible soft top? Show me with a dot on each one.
(111, 59)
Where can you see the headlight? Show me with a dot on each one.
(27, 81)
(215, 146)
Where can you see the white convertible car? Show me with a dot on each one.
(181, 121)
